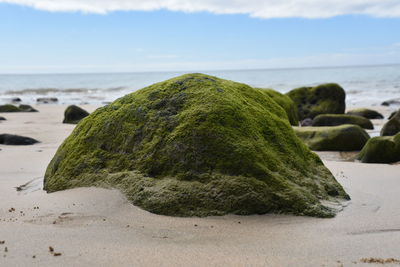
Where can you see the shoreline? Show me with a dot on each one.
(94, 226)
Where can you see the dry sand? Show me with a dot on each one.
(98, 227)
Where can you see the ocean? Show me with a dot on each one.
(366, 85)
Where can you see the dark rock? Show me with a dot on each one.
(392, 114)
(391, 102)
(27, 108)
(9, 139)
(306, 122)
(183, 148)
(335, 138)
(16, 100)
(47, 100)
(392, 127)
(382, 149)
(366, 113)
(73, 114)
(322, 99)
(340, 119)
(2, 118)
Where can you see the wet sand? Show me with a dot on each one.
(99, 227)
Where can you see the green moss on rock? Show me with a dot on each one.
(286, 103)
(381, 149)
(73, 114)
(323, 99)
(21, 108)
(340, 119)
(196, 145)
(392, 127)
(9, 108)
(336, 138)
(366, 113)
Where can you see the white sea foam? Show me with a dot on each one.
(364, 85)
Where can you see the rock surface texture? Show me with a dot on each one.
(196, 145)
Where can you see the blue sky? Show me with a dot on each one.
(43, 40)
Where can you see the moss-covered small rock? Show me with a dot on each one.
(12, 108)
(366, 113)
(323, 99)
(73, 114)
(196, 145)
(392, 127)
(9, 108)
(26, 108)
(286, 103)
(340, 119)
(381, 149)
(335, 138)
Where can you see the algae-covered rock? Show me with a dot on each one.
(340, 119)
(392, 114)
(73, 114)
(286, 103)
(12, 108)
(9, 108)
(381, 149)
(27, 108)
(335, 138)
(323, 99)
(196, 145)
(366, 113)
(392, 127)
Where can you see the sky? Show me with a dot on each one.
(80, 36)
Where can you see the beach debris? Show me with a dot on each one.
(73, 114)
(2, 242)
(333, 138)
(56, 254)
(323, 99)
(11, 210)
(183, 148)
(16, 140)
(6, 249)
(379, 260)
(51, 249)
(34, 257)
(306, 122)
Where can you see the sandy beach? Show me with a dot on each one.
(99, 227)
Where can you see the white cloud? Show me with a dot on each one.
(254, 8)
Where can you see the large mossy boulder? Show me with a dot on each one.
(340, 119)
(196, 145)
(381, 149)
(366, 113)
(392, 127)
(73, 114)
(286, 103)
(336, 138)
(323, 99)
